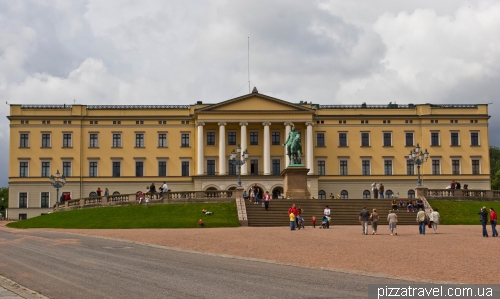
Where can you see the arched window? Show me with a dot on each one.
(366, 194)
(211, 189)
(277, 192)
(389, 194)
(116, 193)
(411, 193)
(344, 194)
(322, 194)
(93, 193)
(231, 188)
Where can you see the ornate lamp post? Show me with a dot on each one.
(239, 159)
(57, 182)
(418, 157)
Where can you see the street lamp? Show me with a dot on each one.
(57, 182)
(418, 157)
(238, 158)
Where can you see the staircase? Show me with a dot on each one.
(343, 211)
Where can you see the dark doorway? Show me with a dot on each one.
(277, 192)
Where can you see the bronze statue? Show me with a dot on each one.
(294, 147)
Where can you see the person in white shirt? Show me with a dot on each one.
(435, 220)
(327, 214)
(163, 188)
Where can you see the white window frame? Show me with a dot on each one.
(439, 137)
(367, 159)
(346, 138)
(480, 165)
(407, 158)
(392, 165)
(413, 137)
(383, 138)
(189, 139)
(41, 199)
(90, 140)
(50, 139)
(440, 166)
(27, 200)
(121, 167)
(158, 160)
(19, 167)
(143, 139)
(459, 165)
(249, 142)
(275, 131)
(97, 172)
(361, 138)
(29, 139)
(324, 139)
(235, 136)
(250, 167)
(180, 168)
(71, 167)
(478, 137)
(71, 139)
(143, 166)
(346, 159)
(317, 167)
(206, 137)
(166, 139)
(41, 167)
(275, 158)
(459, 141)
(216, 159)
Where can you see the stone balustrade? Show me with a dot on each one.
(128, 199)
(462, 194)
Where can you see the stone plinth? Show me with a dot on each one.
(295, 182)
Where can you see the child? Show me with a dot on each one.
(401, 202)
(140, 196)
(300, 222)
(313, 220)
(292, 221)
(324, 222)
(147, 200)
(200, 223)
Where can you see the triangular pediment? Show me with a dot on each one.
(254, 102)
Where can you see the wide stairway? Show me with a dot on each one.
(343, 211)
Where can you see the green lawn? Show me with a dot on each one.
(461, 212)
(135, 216)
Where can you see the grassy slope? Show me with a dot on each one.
(154, 216)
(461, 212)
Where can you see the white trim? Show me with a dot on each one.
(346, 138)
(317, 166)
(19, 167)
(383, 138)
(459, 165)
(324, 138)
(361, 138)
(471, 167)
(41, 199)
(189, 138)
(71, 140)
(121, 167)
(281, 163)
(407, 158)
(143, 139)
(206, 137)
(250, 137)
(113, 137)
(369, 160)
(249, 161)
(271, 135)
(166, 167)
(63, 160)
(478, 137)
(458, 132)
(189, 168)
(41, 139)
(347, 161)
(97, 171)
(392, 165)
(27, 200)
(413, 137)
(29, 139)
(42, 160)
(216, 159)
(90, 140)
(440, 166)
(158, 140)
(135, 166)
(235, 136)
(439, 137)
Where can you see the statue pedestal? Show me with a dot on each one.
(295, 182)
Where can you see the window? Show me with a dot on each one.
(23, 169)
(321, 168)
(455, 166)
(117, 122)
(254, 166)
(184, 140)
(117, 140)
(66, 169)
(162, 168)
(210, 138)
(232, 168)
(342, 139)
(24, 140)
(139, 140)
(45, 169)
(276, 166)
(434, 138)
(139, 122)
(45, 122)
(46, 140)
(93, 140)
(44, 200)
(162, 140)
(365, 165)
(117, 168)
(409, 138)
(185, 168)
(162, 122)
(411, 193)
(67, 140)
(23, 200)
(366, 194)
(388, 167)
(454, 139)
(321, 194)
(474, 138)
(389, 194)
(436, 166)
(276, 140)
(410, 167)
(139, 168)
(231, 138)
(343, 167)
(387, 139)
(320, 139)
(92, 168)
(254, 138)
(344, 194)
(210, 167)
(476, 166)
(365, 139)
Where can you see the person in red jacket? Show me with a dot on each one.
(67, 197)
(493, 221)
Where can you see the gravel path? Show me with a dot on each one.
(456, 254)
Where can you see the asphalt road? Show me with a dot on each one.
(61, 265)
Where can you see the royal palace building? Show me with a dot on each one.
(345, 147)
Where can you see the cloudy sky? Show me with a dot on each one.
(180, 52)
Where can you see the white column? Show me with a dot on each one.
(309, 148)
(288, 129)
(244, 168)
(201, 157)
(267, 149)
(222, 149)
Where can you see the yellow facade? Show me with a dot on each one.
(350, 147)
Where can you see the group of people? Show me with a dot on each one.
(99, 192)
(410, 206)
(150, 192)
(255, 194)
(456, 185)
(296, 219)
(483, 214)
(378, 190)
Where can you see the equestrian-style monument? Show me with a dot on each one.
(295, 174)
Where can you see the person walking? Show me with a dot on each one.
(392, 218)
(493, 220)
(435, 220)
(421, 221)
(375, 190)
(267, 198)
(374, 218)
(327, 213)
(381, 190)
(484, 220)
(364, 217)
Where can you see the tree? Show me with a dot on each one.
(4, 193)
(495, 167)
